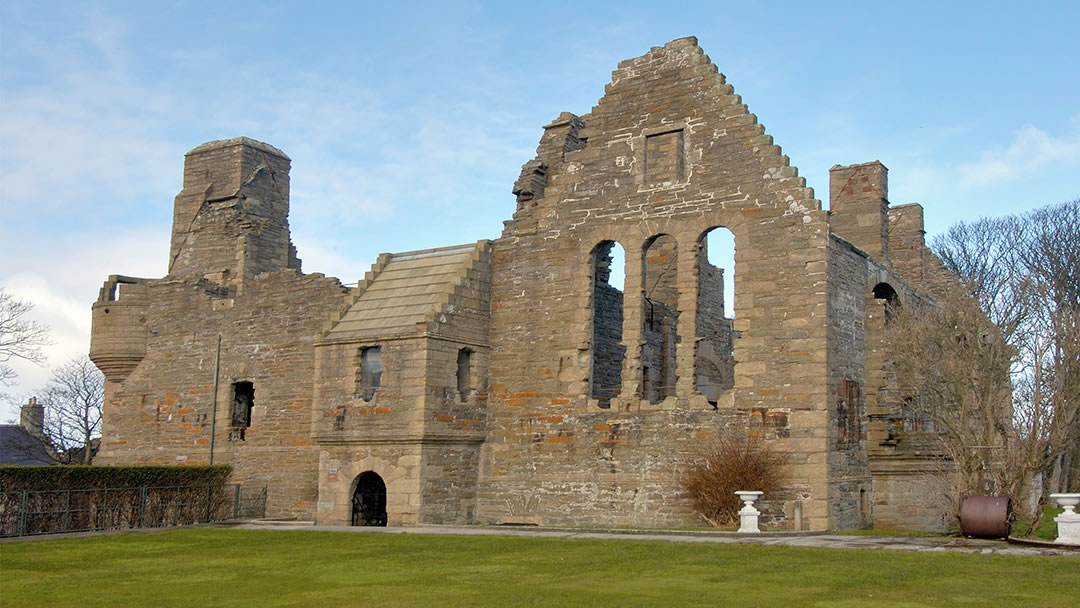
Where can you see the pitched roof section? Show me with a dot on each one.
(403, 290)
(18, 446)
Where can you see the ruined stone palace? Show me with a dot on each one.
(513, 380)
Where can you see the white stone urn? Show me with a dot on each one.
(748, 515)
(1069, 521)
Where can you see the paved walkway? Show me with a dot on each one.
(832, 541)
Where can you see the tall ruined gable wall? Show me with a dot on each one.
(670, 149)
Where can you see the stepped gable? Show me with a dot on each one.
(403, 290)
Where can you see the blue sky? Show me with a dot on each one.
(408, 122)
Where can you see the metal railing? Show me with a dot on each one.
(30, 512)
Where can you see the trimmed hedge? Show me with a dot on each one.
(14, 478)
(44, 500)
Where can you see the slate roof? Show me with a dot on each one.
(404, 289)
(18, 446)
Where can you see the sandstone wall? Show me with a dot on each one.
(162, 412)
(421, 430)
(669, 150)
(849, 475)
(230, 221)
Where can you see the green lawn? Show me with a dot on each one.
(215, 567)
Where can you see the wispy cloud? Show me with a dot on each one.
(74, 123)
(1032, 149)
(61, 279)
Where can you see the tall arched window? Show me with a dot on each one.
(660, 316)
(608, 350)
(714, 360)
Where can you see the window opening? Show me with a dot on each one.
(370, 371)
(661, 318)
(608, 351)
(884, 291)
(243, 402)
(464, 375)
(714, 357)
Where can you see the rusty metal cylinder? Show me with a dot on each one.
(985, 516)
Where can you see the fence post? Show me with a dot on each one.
(209, 491)
(236, 502)
(264, 493)
(24, 504)
(142, 506)
(67, 511)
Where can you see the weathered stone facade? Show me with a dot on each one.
(509, 381)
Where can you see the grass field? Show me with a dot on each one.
(214, 567)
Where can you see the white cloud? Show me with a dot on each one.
(79, 124)
(1031, 150)
(61, 278)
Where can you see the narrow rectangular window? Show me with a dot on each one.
(464, 376)
(370, 371)
(243, 401)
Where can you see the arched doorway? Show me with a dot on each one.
(369, 500)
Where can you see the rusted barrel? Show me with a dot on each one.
(985, 516)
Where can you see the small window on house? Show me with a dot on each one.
(243, 401)
(370, 372)
(464, 377)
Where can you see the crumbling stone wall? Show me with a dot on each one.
(527, 388)
(162, 412)
(888, 466)
(230, 221)
(232, 275)
(669, 149)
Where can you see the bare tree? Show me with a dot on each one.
(952, 366)
(73, 404)
(20, 338)
(1049, 408)
(1006, 396)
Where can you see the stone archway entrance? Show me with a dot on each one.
(369, 500)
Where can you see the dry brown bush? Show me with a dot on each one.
(734, 461)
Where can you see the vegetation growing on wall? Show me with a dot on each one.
(735, 461)
(996, 364)
(77, 477)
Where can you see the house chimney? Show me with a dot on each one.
(32, 417)
(859, 206)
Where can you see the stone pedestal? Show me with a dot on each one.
(1068, 522)
(748, 515)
